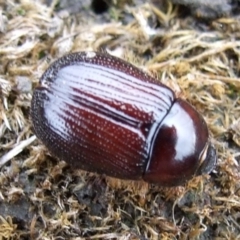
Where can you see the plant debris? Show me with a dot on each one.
(42, 197)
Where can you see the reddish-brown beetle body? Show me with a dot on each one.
(102, 114)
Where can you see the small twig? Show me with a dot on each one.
(16, 150)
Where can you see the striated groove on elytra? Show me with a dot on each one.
(118, 83)
(124, 149)
(73, 126)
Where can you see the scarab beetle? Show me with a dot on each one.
(102, 114)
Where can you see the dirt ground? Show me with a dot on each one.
(197, 56)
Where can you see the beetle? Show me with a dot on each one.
(102, 114)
